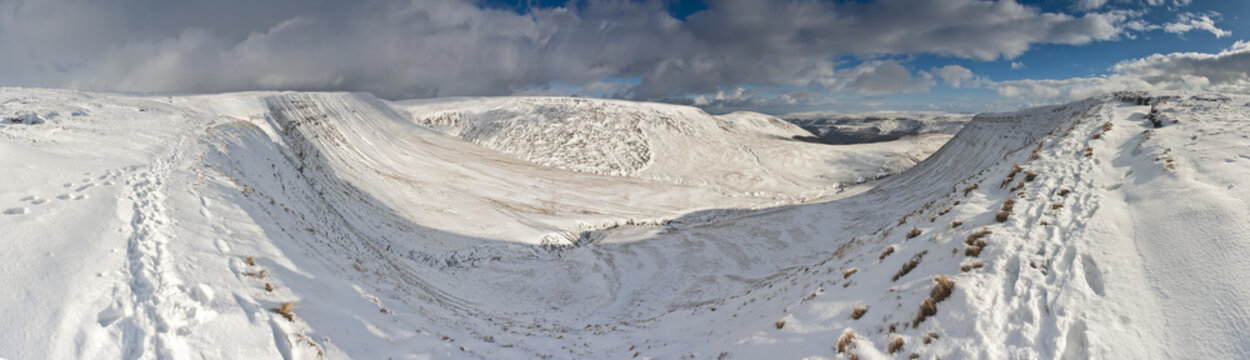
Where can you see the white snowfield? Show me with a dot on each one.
(153, 227)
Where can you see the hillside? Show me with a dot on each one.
(743, 153)
(838, 128)
(170, 227)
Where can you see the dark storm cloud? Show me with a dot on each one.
(405, 49)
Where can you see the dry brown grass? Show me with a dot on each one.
(1015, 169)
(251, 261)
(780, 324)
(1009, 204)
(859, 312)
(1019, 185)
(268, 287)
(972, 251)
(1056, 206)
(928, 308)
(955, 224)
(976, 236)
(286, 310)
(969, 189)
(914, 232)
(942, 288)
(887, 252)
(969, 267)
(1089, 151)
(1064, 192)
(1029, 176)
(910, 265)
(847, 341)
(1002, 216)
(848, 272)
(259, 274)
(896, 345)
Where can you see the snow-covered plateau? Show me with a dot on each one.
(337, 225)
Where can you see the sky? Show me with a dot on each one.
(773, 56)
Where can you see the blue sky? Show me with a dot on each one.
(723, 55)
(1041, 61)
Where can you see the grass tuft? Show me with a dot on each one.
(887, 252)
(914, 232)
(969, 267)
(942, 288)
(910, 264)
(286, 310)
(972, 251)
(848, 272)
(896, 345)
(859, 312)
(1002, 216)
(847, 341)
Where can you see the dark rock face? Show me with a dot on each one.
(27, 119)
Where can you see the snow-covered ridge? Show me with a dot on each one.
(1124, 238)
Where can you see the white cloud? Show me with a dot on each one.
(1187, 22)
(1173, 3)
(1089, 4)
(1017, 65)
(954, 75)
(1228, 70)
(405, 49)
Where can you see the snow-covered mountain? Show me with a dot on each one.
(838, 128)
(179, 227)
(735, 153)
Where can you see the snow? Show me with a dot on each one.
(741, 153)
(168, 227)
(877, 126)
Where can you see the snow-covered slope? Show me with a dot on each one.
(168, 227)
(879, 126)
(746, 153)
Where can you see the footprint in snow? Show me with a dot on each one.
(39, 201)
(64, 196)
(17, 211)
